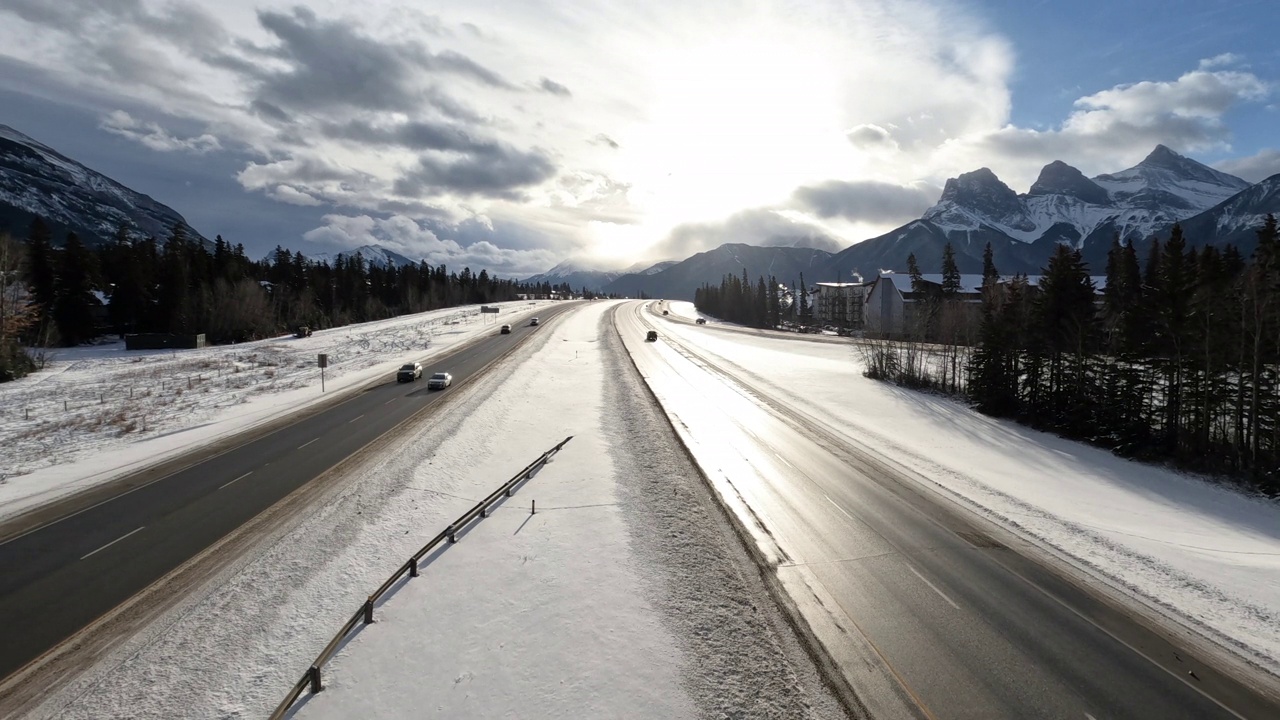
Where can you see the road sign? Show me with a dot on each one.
(487, 309)
(323, 360)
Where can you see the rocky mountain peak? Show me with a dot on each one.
(1059, 178)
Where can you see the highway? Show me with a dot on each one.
(61, 576)
(923, 609)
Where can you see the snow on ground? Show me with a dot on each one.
(625, 595)
(95, 413)
(1209, 554)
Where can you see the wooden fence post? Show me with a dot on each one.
(313, 673)
(413, 567)
(368, 611)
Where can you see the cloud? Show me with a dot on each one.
(1254, 168)
(871, 136)
(553, 87)
(490, 170)
(155, 137)
(419, 242)
(757, 226)
(868, 201)
(1120, 124)
(331, 64)
(1222, 60)
(292, 196)
(602, 139)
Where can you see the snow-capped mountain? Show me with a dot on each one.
(1236, 220)
(578, 273)
(37, 181)
(1062, 206)
(372, 254)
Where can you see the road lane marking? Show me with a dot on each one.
(241, 477)
(389, 401)
(307, 443)
(784, 462)
(113, 542)
(355, 418)
(833, 503)
(934, 587)
(1089, 717)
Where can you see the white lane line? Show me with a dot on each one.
(784, 462)
(354, 419)
(239, 478)
(833, 503)
(113, 542)
(389, 401)
(934, 588)
(307, 443)
(1089, 717)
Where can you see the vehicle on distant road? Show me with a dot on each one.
(701, 321)
(409, 372)
(506, 330)
(533, 321)
(302, 332)
(652, 336)
(439, 381)
(666, 312)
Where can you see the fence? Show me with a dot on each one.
(311, 678)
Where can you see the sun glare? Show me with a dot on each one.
(736, 123)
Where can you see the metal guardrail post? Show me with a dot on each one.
(313, 674)
(368, 611)
(413, 567)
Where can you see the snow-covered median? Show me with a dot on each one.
(98, 412)
(1207, 554)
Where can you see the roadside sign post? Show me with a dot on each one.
(323, 361)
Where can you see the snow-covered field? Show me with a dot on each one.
(96, 413)
(1208, 555)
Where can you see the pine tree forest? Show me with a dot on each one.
(1175, 359)
(67, 295)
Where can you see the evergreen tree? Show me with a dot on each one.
(950, 272)
(41, 268)
(74, 303)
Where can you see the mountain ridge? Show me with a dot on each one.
(38, 181)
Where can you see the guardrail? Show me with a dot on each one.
(311, 678)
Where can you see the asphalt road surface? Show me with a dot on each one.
(928, 612)
(58, 578)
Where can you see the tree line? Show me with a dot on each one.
(1176, 357)
(68, 295)
(737, 300)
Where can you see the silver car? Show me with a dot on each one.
(439, 381)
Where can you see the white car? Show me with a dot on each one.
(439, 381)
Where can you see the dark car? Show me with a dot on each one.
(409, 372)
(506, 330)
(665, 312)
(701, 321)
(652, 336)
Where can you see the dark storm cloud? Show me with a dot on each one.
(553, 87)
(417, 135)
(334, 65)
(867, 200)
(491, 170)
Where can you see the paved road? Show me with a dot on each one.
(928, 614)
(60, 577)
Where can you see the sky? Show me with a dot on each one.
(512, 135)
